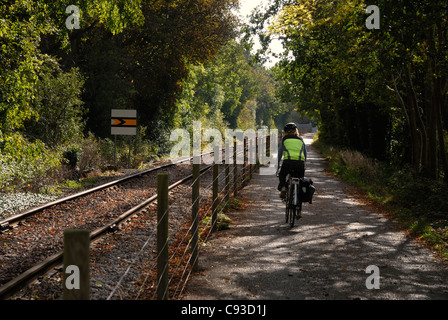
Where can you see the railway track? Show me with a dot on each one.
(32, 240)
(16, 218)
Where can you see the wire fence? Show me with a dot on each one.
(191, 219)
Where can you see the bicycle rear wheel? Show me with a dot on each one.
(287, 213)
(292, 215)
(292, 207)
(287, 206)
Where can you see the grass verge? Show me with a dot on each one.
(420, 205)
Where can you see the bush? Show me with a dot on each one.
(59, 107)
(91, 158)
(421, 196)
(222, 221)
(352, 166)
(22, 161)
(72, 156)
(107, 147)
(360, 166)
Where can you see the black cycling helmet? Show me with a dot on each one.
(290, 127)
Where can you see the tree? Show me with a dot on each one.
(143, 67)
(21, 25)
(31, 33)
(326, 70)
(215, 85)
(416, 57)
(60, 109)
(357, 80)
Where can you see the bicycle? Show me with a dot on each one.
(293, 200)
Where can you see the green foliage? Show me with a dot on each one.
(175, 35)
(22, 161)
(214, 88)
(232, 204)
(422, 196)
(72, 156)
(59, 108)
(66, 185)
(57, 86)
(108, 84)
(20, 28)
(145, 150)
(229, 91)
(222, 221)
(24, 77)
(381, 92)
(91, 158)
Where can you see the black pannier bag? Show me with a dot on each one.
(306, 190)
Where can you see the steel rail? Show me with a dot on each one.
(7, 222)
(40, 268)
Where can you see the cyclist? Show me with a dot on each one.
(293, 150)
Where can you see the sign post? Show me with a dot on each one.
(124, 122)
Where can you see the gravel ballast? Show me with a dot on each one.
(123, 263)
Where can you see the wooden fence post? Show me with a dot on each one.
(215, 194)
(195, 218)
(257, 159)
(268, 147)
(251, 157)
(227, 172)
(245, 173)
(235, 171)
(162, 236)
(76, 260)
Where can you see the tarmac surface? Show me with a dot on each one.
(326, 256)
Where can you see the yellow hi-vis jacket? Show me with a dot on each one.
(292, 148)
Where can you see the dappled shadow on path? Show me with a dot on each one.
(324, 256)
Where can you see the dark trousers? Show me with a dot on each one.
(295, 168)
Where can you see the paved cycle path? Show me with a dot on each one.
(324, 256)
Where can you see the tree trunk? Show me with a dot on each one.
(416, 134)
(431, 121)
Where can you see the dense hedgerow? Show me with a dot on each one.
(21, 161)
